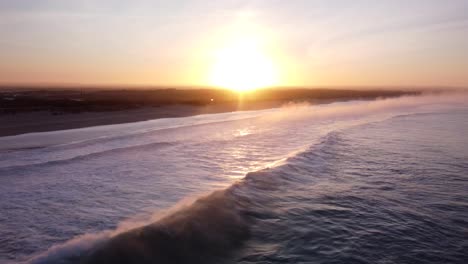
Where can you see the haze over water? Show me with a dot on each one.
(356, 182)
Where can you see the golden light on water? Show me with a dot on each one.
(244, 65)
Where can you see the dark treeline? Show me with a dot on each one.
(94, 100)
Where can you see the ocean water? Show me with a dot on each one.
(382, 181)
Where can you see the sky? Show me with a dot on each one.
(178, 42)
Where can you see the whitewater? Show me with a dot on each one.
(381, 181)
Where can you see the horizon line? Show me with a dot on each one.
(199, 87)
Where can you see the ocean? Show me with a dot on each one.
(382, 181)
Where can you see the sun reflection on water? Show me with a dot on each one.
(243, 132)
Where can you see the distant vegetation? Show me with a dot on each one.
(93, 100)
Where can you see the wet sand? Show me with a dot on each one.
(42, 121)
(36, 110)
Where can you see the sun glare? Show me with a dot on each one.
(242, 66)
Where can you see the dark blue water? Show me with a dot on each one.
(387, 192)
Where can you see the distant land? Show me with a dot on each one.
(39, 109)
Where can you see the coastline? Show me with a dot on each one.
(32, 111)
(46, 121)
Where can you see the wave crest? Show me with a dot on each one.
(203, 232)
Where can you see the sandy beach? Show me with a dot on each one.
(35, 110)
(42, 121)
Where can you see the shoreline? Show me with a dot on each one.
(45, 121)
(33, 111)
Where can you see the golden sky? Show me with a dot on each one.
(235, 43)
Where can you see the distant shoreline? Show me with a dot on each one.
(44, 121)
(46, 110)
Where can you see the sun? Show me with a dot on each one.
(243, 66)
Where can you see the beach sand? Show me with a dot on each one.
(42, 121)
(36, 110)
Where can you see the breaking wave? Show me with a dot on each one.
(206, 230)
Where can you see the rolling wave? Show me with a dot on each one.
(206, 231)
(202, 232)
(89, 155)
